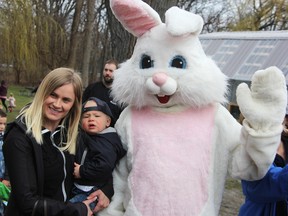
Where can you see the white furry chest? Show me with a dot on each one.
(171, 152)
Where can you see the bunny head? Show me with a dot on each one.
(168, 66)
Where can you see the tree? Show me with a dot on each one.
(74, 36)
(87, 41)
(39, 35)
(17, 30)
(122, 42)
(54, 15)
(161, 6)
(268, 15)
(215, 13)
(34, 37)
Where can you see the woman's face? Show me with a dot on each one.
(57, 105)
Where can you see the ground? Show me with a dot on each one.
(232, 198)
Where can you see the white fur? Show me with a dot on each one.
(199, 84)
(177, 22)
(245, 152)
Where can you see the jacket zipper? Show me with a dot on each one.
(64, 166)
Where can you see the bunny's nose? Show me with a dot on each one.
(159, 78)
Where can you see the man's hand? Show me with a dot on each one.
(102, 199)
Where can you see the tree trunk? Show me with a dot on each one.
(74, 35)
(122, 42)
(88, 41)
(161, 6)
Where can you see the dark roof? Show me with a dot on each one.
(240, 54)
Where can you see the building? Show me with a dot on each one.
(240, 54)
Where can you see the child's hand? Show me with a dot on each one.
(76, 172)
(6, 183)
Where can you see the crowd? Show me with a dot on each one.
(46, 138)
(66, 149)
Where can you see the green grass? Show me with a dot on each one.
(22, 97)
(232, 184)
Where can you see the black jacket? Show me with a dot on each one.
(104, 150)
(25, 163)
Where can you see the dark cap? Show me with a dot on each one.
(101, 106)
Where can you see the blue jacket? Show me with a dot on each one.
(262, 195)
(2, 164)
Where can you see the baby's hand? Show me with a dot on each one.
(76, 172)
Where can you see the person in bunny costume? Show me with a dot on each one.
(180, 140)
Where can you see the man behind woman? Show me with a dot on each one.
(102, 89)
(39, 150)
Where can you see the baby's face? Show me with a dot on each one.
(3, 121)
(95, 121)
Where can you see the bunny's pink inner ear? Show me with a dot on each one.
(136, 16)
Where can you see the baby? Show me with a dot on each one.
(99, 150)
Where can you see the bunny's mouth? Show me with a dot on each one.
(163, 99)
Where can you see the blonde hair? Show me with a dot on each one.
(33, 114)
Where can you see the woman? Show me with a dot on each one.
(40, 146)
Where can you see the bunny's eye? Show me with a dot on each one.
(146, 62)
(178, 62)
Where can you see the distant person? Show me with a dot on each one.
(98, 152)
(3, 94)
(11, 102)
(102, 89)
(269, 195)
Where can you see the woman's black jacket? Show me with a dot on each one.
(24, 161)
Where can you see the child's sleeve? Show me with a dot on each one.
(273, 187)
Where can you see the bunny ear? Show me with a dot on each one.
(181, 22)
(136, 16)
